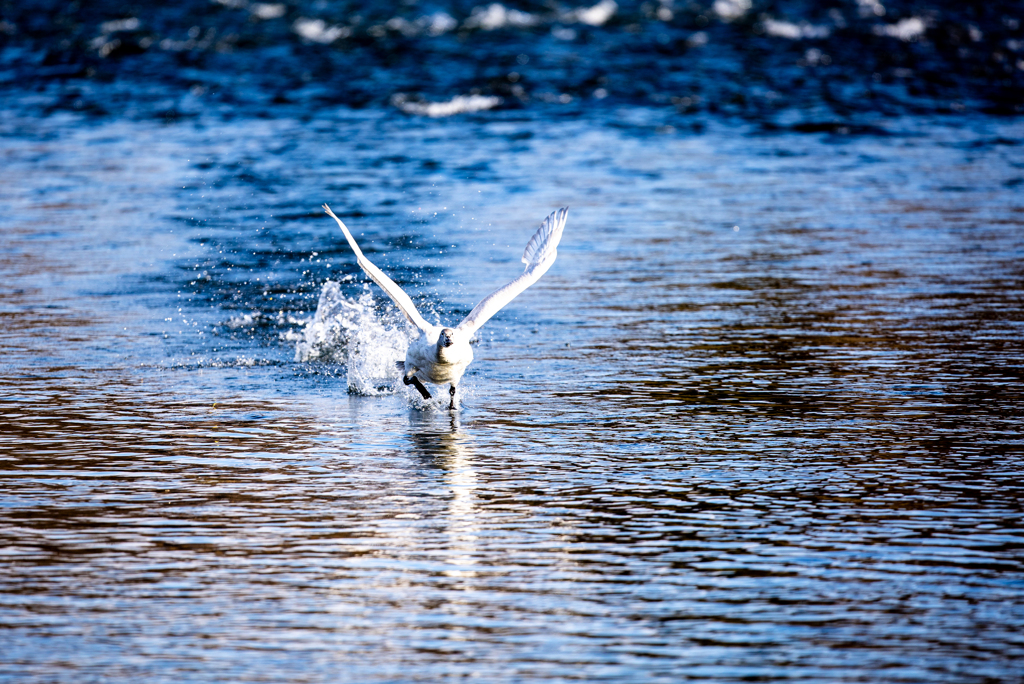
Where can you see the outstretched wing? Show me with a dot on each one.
(539, 255)
(397, 294)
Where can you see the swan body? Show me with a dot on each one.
(438, 363)
(441, 355)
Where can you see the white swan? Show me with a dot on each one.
(440, 354)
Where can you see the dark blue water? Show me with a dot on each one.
(760, 421)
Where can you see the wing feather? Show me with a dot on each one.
(540, 254)
(546, 239)
(397, 294)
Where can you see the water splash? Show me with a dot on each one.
(350, 332)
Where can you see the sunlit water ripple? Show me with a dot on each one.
(761, 421)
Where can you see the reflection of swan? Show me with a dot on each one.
(464, 525)
(451, 451)
(441, 355)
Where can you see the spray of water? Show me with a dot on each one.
(350, 332)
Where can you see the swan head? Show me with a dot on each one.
(446, 338)
(453, 347)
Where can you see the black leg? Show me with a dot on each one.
(411, 379)
(451, 391)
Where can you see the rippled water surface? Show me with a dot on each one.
(760, 422)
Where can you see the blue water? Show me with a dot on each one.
(759, 422)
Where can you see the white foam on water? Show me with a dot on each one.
(130, 24)
(268, 10)
(787, 29)
(906, 30)
(597, 15)
(247, 320)
(497, 16)
(730, 10)
(350, 332)
(319, 31)
(460, 104)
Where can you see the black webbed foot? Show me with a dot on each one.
(411, 379)
(451, 391)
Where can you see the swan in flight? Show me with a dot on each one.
(440, 354)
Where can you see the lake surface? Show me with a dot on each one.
(761, 421)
